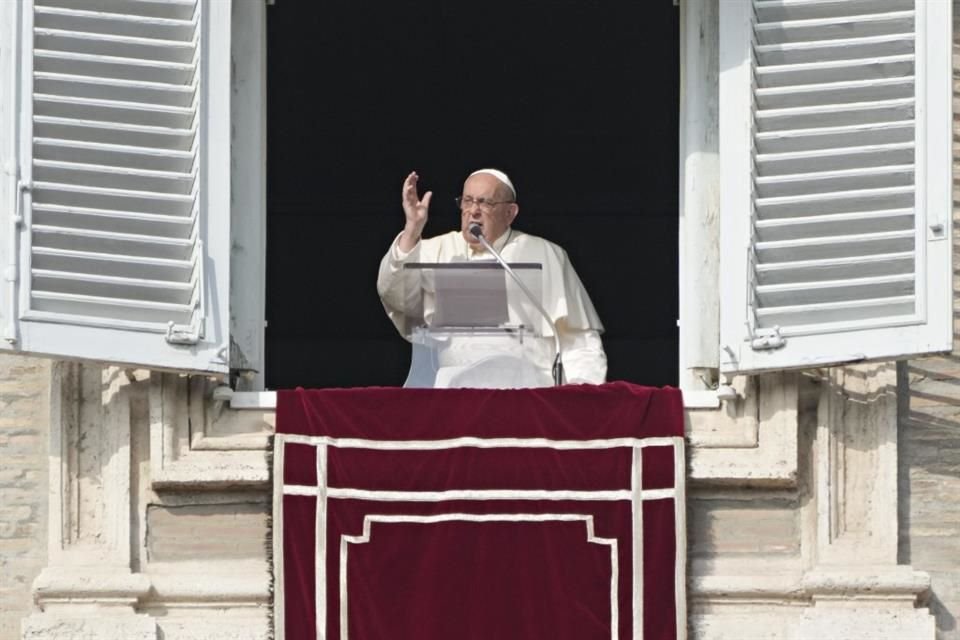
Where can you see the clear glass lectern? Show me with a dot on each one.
(479, 328)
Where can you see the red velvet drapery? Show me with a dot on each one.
(538, 513)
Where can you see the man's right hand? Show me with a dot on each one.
(416, 212)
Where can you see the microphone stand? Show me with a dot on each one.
(557, 371)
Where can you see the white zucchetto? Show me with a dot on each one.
(499, 175)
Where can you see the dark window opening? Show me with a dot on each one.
(576, 100)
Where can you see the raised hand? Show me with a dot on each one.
(416, 211)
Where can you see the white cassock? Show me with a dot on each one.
(563, 296)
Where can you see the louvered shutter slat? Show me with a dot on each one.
(175, 292)
(860, 244)
(115, 155)
(833, 181)
(113, 111)
(164, 9)
(833, 225)
(114, 46)
(796, 75)
(68, 260)
(834, 222)
(831, 269)
(783, 53)
(836, 93)
(117, 221)
(104, 176)
(110, 242)
(101, 176)
(836, 115)
(141, 311)
(837, 21)
(780, 10)
(806, 318)
(817, 204)
(111, 21)
(815, 292)
(837, 158)
(119, 67)
(115, 162)
(841, 137)
(112, 199)
(137, 91)
(114, 133)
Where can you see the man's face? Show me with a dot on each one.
(493, 220)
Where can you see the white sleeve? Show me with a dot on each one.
(399, 288)
(584, 360)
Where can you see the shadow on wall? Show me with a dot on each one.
(929, 449)
(929, 476)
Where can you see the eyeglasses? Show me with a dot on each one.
(467, 202)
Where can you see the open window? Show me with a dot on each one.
(562, 96)
(132, 200)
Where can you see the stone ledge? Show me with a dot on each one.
(129, 626)
(853, 584)
(211, 470)
(866, 581)
(864, 623)
(66, 584)
(243, 583)
(205, 629)
(730, 589)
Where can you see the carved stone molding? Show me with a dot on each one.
(856, 587)
(845, 582)
(751, 440)
(856, 603)
(219, 599)
(854, 477)
(197, 442)
(88, 589)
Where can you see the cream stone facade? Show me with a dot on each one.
(823, 504)
(24, 432)
(157, 516)
(158, 510)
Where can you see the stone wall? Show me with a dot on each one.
(929, 440)
(158, 511)
(24, 432)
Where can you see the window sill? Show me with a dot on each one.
(266, 400)
(723, 431)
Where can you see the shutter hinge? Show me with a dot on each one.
(182, 333)
(767, 340)
(12, 270)
(22, 188)
(937, 231)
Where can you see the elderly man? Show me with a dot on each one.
(489, 200)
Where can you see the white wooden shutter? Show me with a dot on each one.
(835, 133)
(122, 237)
(9, 21)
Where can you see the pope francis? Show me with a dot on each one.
(489, 201)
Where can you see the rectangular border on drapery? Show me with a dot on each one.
(414, 479)
(635, 494)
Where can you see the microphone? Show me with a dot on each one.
(477, 232)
